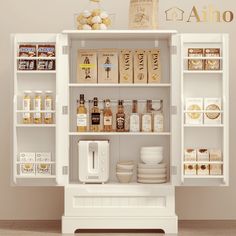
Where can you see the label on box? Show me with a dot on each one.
(154, 66)
(27, 51)
(108, 66)
(140, 66)
(202, 155)
(216, 169)
(46, 51)
(190, 154)
(87, 66)
(214, 107)
(198, 63)
(43, 169)
(194, 105)
(190, 169)
(27, 65)
(203, 169)
(126, 66)
(215, 155)
(212, 64)
(27, 169)
(46, 65)
(43, 156)
(27, 157)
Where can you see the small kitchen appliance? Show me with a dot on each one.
(93, 161)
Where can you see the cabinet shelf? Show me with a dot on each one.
(119, 134)
(204, 126)
(36, 176)
(35, 126)
(35, 162)
(36, 72)
(36, 58)
(203, 58)
(31, 111)
(203, 71)
(203, 176)
(162, 85)
(203, 162)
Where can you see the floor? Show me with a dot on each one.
(52, 228)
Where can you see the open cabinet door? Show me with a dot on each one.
(35, 110)
(204, 109)
(62, 100)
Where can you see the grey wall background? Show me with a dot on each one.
(27, 16)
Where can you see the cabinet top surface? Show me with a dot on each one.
(120, 34)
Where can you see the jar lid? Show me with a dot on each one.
(48, 91)
(27, 91)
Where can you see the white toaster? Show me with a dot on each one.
(93, 161)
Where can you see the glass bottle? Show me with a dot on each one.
(158, 119)
(95, 116)
(48, 103)
(107, 116)
(81, 115)
(120, 117)
(26, 107)
(135, 118)
(38, 107)
(147, 118)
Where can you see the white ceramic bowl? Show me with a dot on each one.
(152, 171)
(124, 170)
(152, 166)
(152, 149)
(124, 177)
(125, 167)
(152, 158)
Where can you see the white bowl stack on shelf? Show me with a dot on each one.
(124, 171)
(151, 170)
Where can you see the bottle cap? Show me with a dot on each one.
(48, 91)
(38, 91)
(27, 91)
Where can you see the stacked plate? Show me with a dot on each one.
(152, 173)
(124, 171)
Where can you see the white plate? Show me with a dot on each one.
(152, 166)
(149, 176)
(145, 181)
(125, 167)
(152, 171)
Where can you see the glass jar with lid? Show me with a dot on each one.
(27, 107)
(48, 106)
(94, 17)
(37, 104)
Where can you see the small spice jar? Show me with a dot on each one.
(37, 107)
(27, 106)
(48, 106)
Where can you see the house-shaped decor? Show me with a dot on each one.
(174, 14)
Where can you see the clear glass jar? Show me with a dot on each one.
(94, 17)
(38, 107)
(48, 106)
(27, 107)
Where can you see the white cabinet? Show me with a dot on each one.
(152, 204)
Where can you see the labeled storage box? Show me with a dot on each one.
(108, 66)
(214, 114)
(126, 66)
(154, 66)
(193, 107)
(190, 154)
(87, 66)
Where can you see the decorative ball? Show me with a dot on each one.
(96, 27)
(96, 20)
(87, 27)
(103, 27)
(96, 12)
(87, 14)
(104, 15)
(80, 27)
(89, 20)
(106, 21)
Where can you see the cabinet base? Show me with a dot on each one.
(169, 224)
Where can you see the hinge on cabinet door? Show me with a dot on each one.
(65, 170)
(174, 110)
(173, 170)
(156, 43)
(65, 50)
(173, 50)
(64, 110)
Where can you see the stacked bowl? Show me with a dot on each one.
(124, 171)
(151, 170)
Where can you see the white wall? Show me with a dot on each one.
(27, 16)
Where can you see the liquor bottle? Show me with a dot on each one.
(135, 118)
(107, 116)
(158, 119)
(147, 118)
(120, 117)
(81, 115)
(95, 116)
